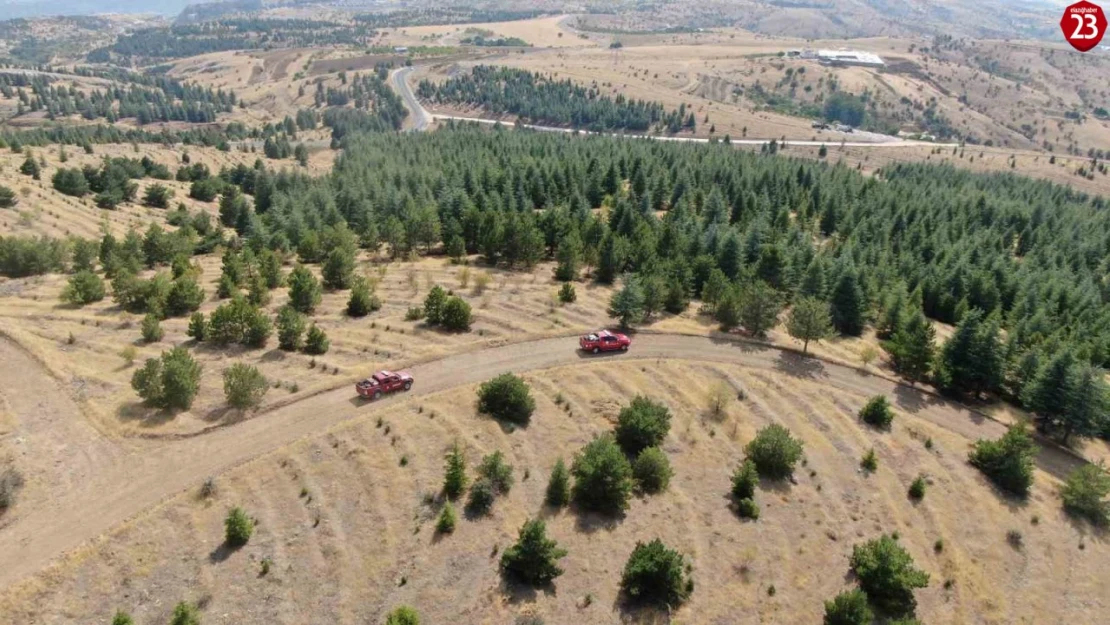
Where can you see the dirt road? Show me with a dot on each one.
(151, 471)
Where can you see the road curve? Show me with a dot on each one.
(419, 116)
(422, 120)
(157, 470)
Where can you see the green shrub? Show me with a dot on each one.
(185, 613)
(445, 524)
(745, 480)
(198, 326)
(877, 412)
(454, 479)
(642, 424)
(11, 481)
(185, 296)
(304, 290)
(652, 470)
(497, 471)
(534, 558)
(567, 295)
(747, 509)
(456, 315)
(238, 322)
(849, 608)
(415, 313)
(506, 397)
(402, 615)
(122, 618)
(869, 462)
(656, 574)
(558, 487)
(1085, 492)
(84, 287)
(602, 476)
(31, 256)
(259, 330)
(481, 497)
(774, 452)
(433, 305)
(8, 198)
(157, 196)
(152, 329)
(244, 386)
(362, 302)
(238, 527)
(886, 573)
(917, 488)
(290, 325)
(170, 382)
(317, 342)
(1008, 462)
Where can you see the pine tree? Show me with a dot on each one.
(612, 258)
(569, 256)
(1052, 391)
(454, 479)
(971, 361)
(558, 487)
(759, 308)
(304, 290)
(912, 347)
(533, 559)
(627, 304)
(1086, 414)
(848, 306)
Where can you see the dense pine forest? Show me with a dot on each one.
(182, 41)
(146, 98)
(1018, 265)
(444, 15)
(541, 100)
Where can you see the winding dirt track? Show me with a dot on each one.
(135, 475)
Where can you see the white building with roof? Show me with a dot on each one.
(849, 57)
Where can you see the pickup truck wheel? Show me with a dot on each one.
(377, 394)
(624, 348)
(596, 350)
(408, 385)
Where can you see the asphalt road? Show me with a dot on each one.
(419, 117)
(422, 119)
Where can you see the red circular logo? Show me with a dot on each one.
(1084, 24)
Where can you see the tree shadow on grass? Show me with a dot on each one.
(273, 355)
(800, 366)
(741, 342)
(145, 415)
(913, 400)
(589, 522)
(222, 552)
(517, 592)
(639, 612)
(1089, 532)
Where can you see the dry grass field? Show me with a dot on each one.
(112, 513)
(544, 32)
(345, 518)
(44, 211)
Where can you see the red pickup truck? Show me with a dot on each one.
(604, 341)
(384, 382)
